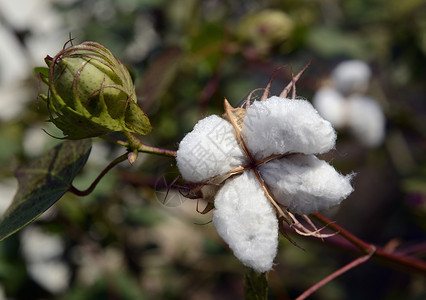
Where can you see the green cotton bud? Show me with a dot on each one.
(91, 93)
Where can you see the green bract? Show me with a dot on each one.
(91, 93)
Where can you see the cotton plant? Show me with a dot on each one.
(345, 104)
(257, 166)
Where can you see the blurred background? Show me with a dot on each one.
(126, 240)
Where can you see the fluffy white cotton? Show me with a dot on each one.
(244, 217)
(351, 76)
(366, 120)
(246, 220)
(210, 149)
(305, 184)
(279, 126)
(331, 105)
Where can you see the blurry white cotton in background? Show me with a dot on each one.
(331, 105)
(8, 189)
(45, 31)
(145, 39)
(2, 294)
(351, 76)
(42, 253)
(36, 141)
(41, 33)
(366, 120)
(13, 70)
(345, 105)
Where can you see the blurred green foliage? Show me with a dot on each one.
(121, 242)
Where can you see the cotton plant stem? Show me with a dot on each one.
(114, 141)
(324, 281)
(363, 246)
(397, 260)
(155, 150)
(136, 144)
(90, 189)
(255, 285)
(132, 144)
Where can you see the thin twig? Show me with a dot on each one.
(117, 142)
(136, 144)
(324, 281)
(397, 260)
(155, 150)
(90, 189)
(344, 233)
(141, 147)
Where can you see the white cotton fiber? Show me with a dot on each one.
(279, 126)
(210, 149)
(366, 120)
(351, 76)
(305, 184)
(331, 105)
(247, 222)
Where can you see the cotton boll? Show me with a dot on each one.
(331, 105)
(210, 149)
(305, 184)
(352, 76)
(279, 126)
(246, 220)
(366, 120)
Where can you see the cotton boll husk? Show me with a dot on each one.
(331, 105)
(279, 126)
(366, 120)
(247, 222)
(305, 184)
(351, 76)
(210, 149)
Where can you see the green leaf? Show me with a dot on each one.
(43, 182)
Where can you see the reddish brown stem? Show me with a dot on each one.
(397, 260)
(90, 189)
(324, 281)
(366, 248)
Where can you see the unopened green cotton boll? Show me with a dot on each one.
(91, 93)
(265, 29)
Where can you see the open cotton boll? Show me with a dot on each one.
(366, 120)
(210, 149)
(279, 126)
(351, 76)
(305, 184)
(246, 220)
(331, 105)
